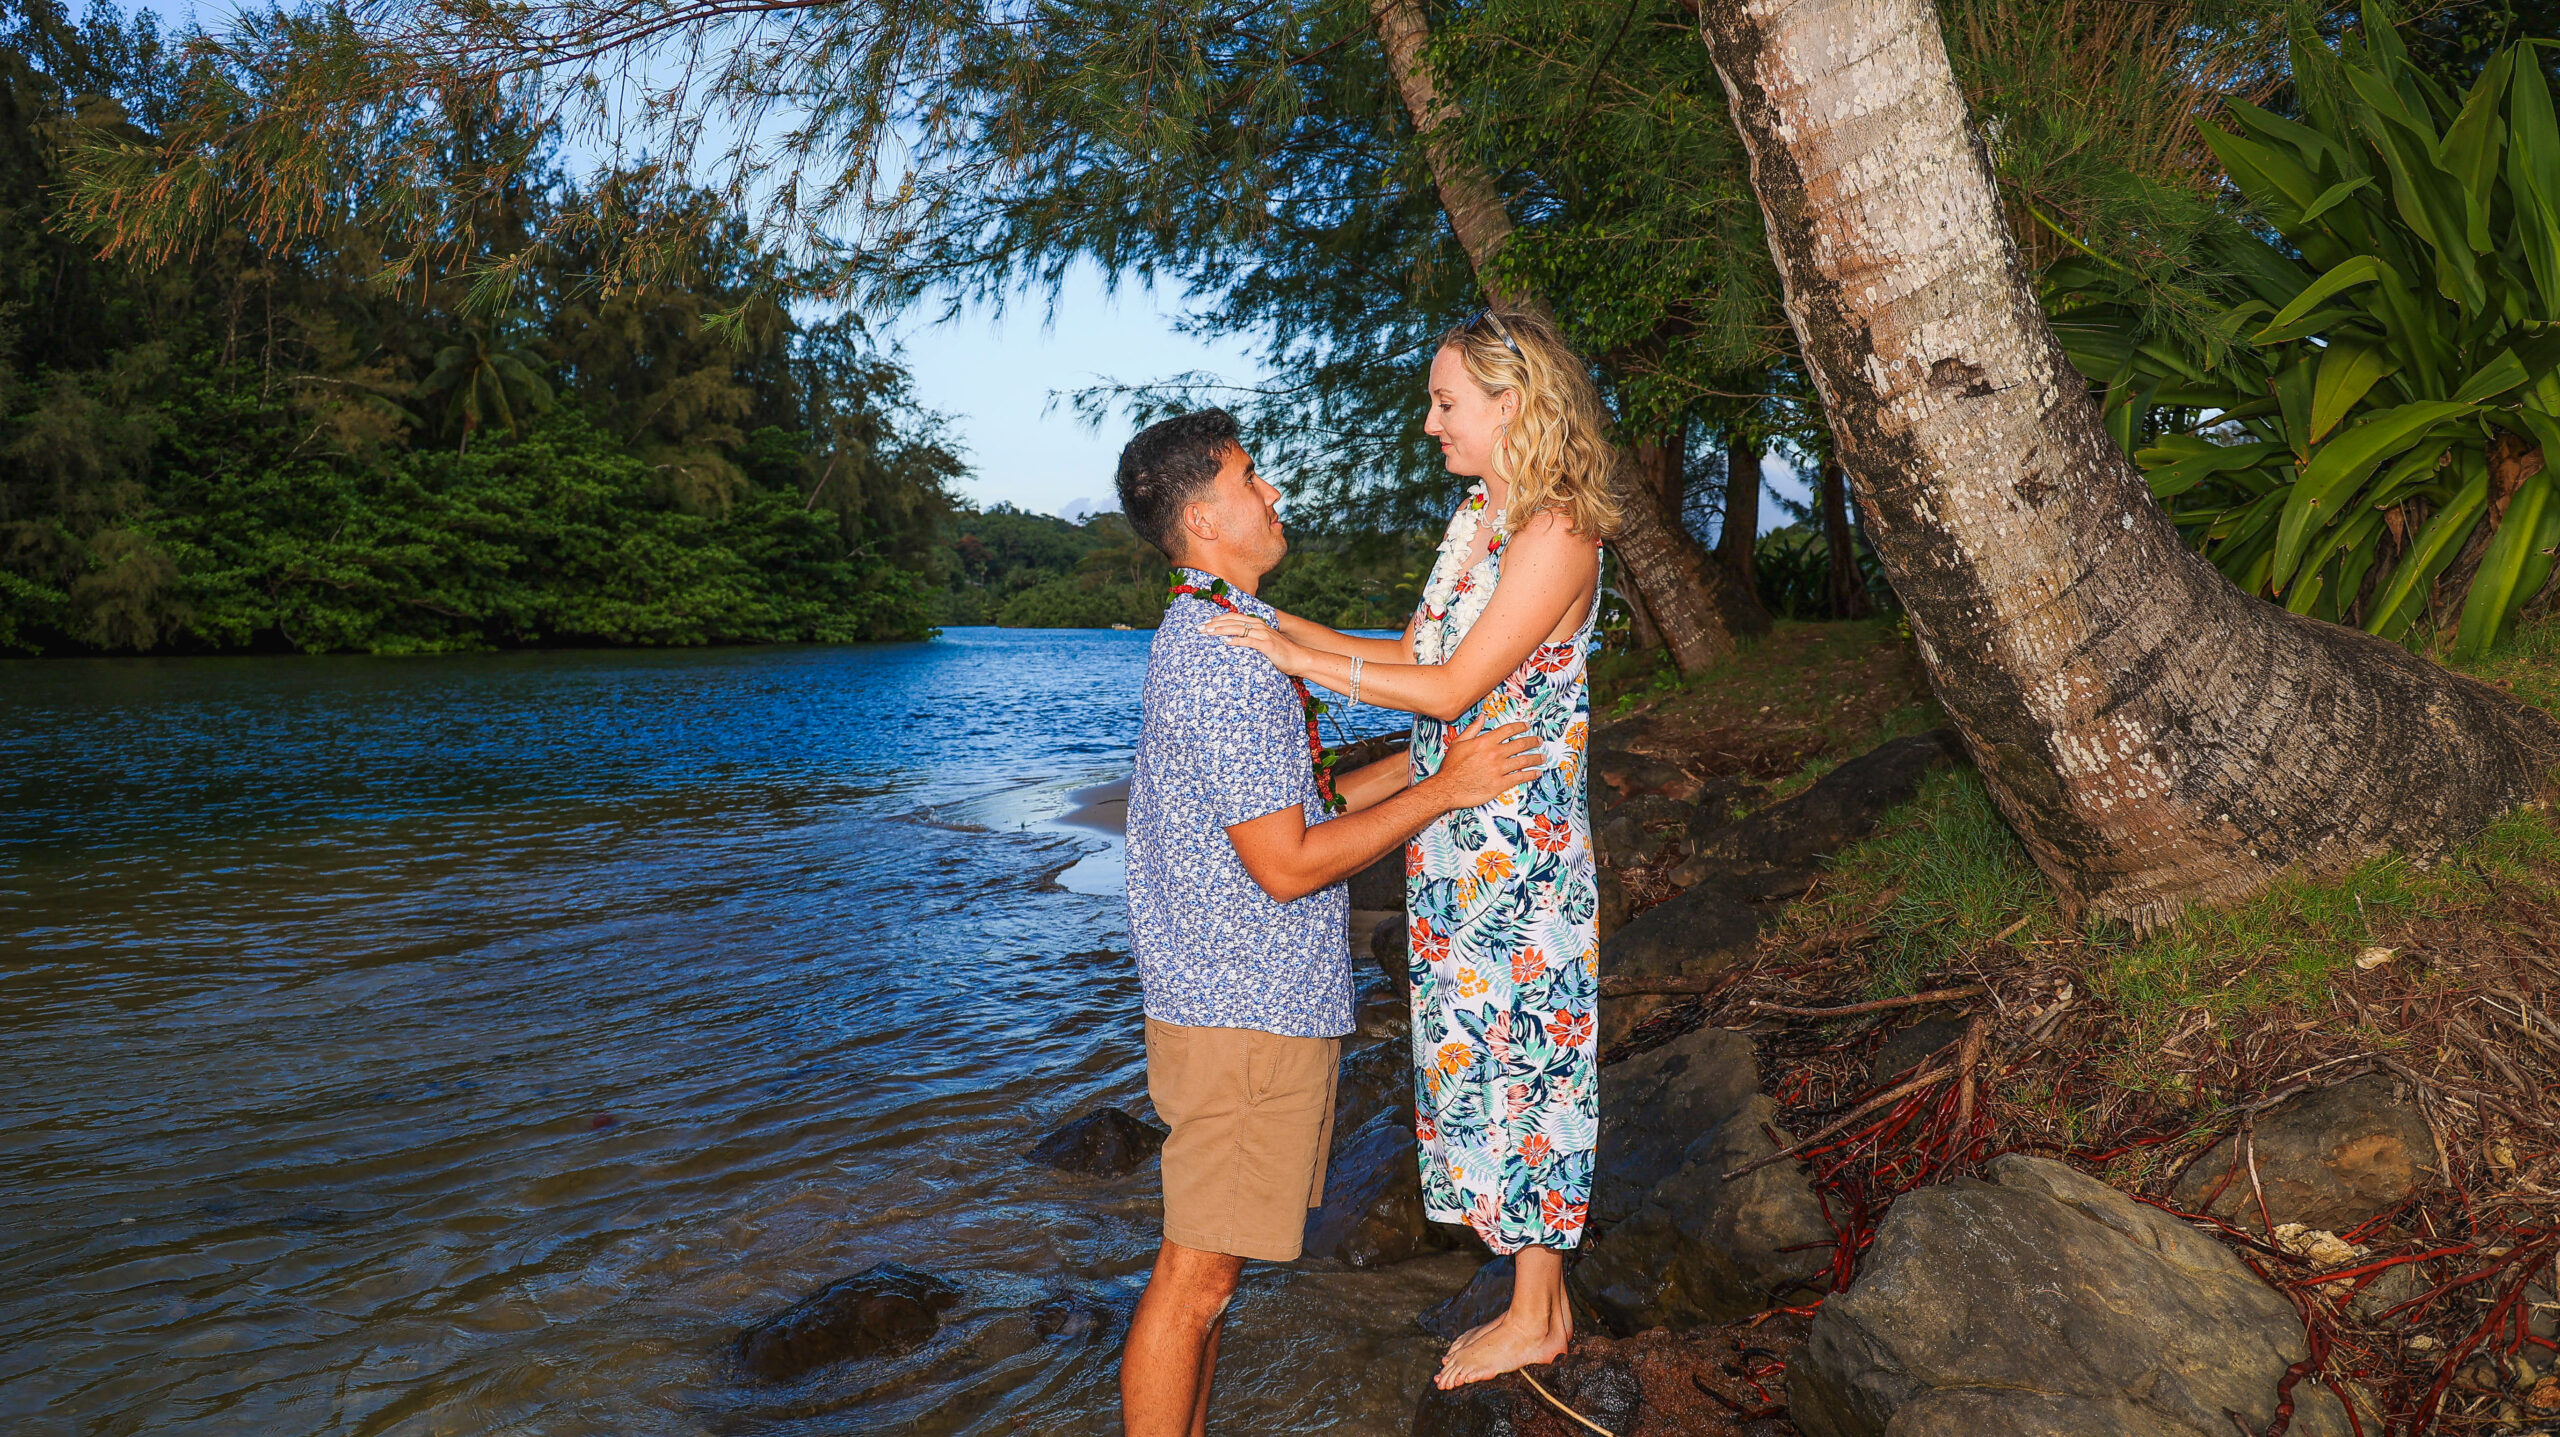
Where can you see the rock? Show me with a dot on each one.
(1104, 1143)
(1697, 934)
(1372, 1213)
(1599, 1384)
(1374, 1079)
(1842, 807)
(1633, 773)
(1613, 902)
(1909, 1046)
(1653, 1385)
(1392, 948)
(1634, 830)
(1383, 1014)
(1381, 884)
(2044, 1301)
(2395, 1285)
(1486, 1297)
(1704, 1250)
(1654, 1105)
(880, 1311)
(2329, 1158)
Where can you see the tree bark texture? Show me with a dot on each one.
(1739, 545)
(1848, 587)
(1700, 618)
(2155, 736)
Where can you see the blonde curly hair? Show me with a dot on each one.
(1555, 453)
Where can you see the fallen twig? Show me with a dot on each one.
(1567, 1411)
(1883, 1099)
(1631, 985)
(1935, 995)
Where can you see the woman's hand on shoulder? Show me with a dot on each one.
(1244, 632)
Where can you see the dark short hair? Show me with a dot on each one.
(1167, 466)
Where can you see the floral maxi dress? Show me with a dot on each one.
(1505, 950)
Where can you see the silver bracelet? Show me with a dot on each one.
(1356, 662)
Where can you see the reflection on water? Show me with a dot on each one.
(472, 1045)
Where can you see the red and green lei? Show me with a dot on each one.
(1317, 754)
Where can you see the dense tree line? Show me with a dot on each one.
(316, 442)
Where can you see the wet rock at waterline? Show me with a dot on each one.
(2330, 1158)
(1652, 1385)
(879, 1312)
(1372, 1213)
(2044, 1297)
(1381, 884)
(1391, 948)
(1654, 1105)
(1374, 1079)
(1103, 1143)
(1843, 806)
(1705, 1249)
(1382, 1014)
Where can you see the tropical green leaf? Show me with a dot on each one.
(2363, 269)
(2333, 197)
(2496, 377)
(2472, 146)
(2179, 462)
(2533, 180)
(2348, 372)
(2343, 463)
(2434, 548)
(2506, 568)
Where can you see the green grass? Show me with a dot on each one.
(1944, 880)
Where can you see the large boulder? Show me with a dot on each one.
(1655, 1104)
(2041, 1302)
(880, 1311)
(1697, 934)
(1372, 1213)
(2329, 1159)
(1104, 1143)
(1703, 1249)
(1840, 808)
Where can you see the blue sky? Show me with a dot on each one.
(1004, 381)
(995, 376)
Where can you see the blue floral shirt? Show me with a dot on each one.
(1223, 739)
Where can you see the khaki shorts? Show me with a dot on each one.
(1252, 1116)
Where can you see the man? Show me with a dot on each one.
(1237, 910)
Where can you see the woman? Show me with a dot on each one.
(1501, 898)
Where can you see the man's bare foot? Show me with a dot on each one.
(1512, 1341)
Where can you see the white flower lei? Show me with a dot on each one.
(1433, 639)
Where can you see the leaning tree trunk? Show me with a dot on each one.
(1699, 617)
(2155, 736)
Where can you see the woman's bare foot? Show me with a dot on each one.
(1512, 1341)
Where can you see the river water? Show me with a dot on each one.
(472, 1045)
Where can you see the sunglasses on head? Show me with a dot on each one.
(1487, 316)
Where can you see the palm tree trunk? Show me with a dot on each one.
(1699, 618)
(1840, 543)
(2155, 736)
